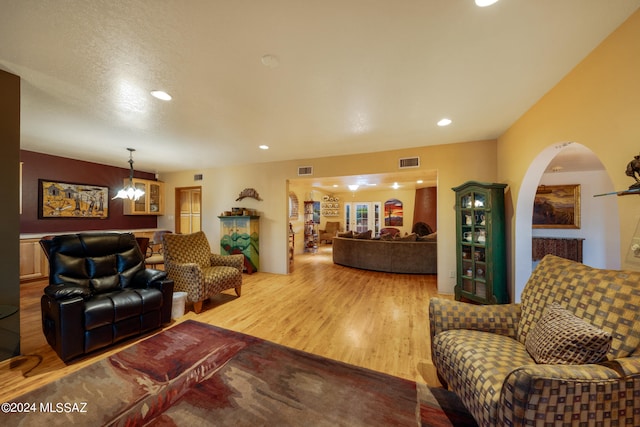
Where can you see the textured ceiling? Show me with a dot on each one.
(351, 76)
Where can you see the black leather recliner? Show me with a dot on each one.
(100, 292)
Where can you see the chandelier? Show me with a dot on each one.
(130, 192)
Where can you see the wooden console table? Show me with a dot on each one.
(569, 248)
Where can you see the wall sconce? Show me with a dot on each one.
(130, 192)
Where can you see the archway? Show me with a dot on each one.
(602, 234)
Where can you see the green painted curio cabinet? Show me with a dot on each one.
(480, 243)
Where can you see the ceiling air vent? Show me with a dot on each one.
(305, 170)
(409, 162)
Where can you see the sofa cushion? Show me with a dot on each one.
(433, 237)
(559, 337)
(475, 365)
(408, 238)
(363, 235)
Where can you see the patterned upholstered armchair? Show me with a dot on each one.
(568, 354)
(195, 270)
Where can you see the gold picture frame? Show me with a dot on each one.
(557, 206)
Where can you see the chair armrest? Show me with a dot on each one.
(498, 318)
(189, 272)
(145, 278)
(66, 291)
(535, 392)
(234, 260)
(187, 277)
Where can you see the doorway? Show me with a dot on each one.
(600, 221)
(362, 216)
(188, 210)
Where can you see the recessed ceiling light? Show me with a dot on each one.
(353, 187)
(419, 181)
(485, 3)
(395, 186)
(160, 94)
(264, 147)
(444, 122)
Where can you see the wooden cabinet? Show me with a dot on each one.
(311, 221)
(241, 235)
(151, 203)
(569, 248)
(480, 243)
(33, 261)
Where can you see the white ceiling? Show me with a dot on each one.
(352, 76)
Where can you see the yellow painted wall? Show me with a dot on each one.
(456, 163)
(598, 105)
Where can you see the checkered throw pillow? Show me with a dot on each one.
(560, 337)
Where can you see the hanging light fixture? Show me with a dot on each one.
(130, 192)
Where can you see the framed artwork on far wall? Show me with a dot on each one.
(557, 206)
(58, 199)
(393, 213)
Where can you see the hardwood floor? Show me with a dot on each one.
(370, 319)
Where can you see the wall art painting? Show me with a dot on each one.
(393, 213)
(57, 199)
(557, 206)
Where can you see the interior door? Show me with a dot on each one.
(362, 216)
(188, 210)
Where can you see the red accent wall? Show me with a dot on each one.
(43, 166)
(426, 207)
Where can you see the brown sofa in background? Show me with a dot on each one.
(392, 256)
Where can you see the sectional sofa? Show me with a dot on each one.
(392, 256)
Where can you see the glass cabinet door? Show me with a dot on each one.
(480, 243)
(473, 243)
(140, 205)
(151, 203)
(154, 198)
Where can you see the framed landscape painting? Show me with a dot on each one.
(557, 206)
(58, 199)
(393, 213)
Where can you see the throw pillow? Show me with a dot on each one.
(409, 237)
(560, 337)
(433, 237)
(346, 234)
(363, 235)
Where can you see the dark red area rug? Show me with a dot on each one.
(198, 374)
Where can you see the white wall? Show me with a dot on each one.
(594, 223)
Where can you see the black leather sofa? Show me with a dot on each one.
(100, 292)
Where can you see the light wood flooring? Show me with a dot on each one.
(370, 319)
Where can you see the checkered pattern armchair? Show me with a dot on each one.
(482, 352)
(198, 272)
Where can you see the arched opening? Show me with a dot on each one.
(569, 163)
